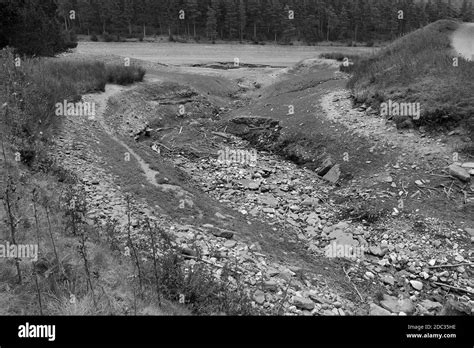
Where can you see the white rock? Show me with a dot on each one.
(417, 285)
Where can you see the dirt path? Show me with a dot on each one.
(102, 100)
(463, 40)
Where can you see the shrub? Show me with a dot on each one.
(123, 75)
(107, 38)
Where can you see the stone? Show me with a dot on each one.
(431, 305)
(417, 285)
(377, 251)
(325, 167)
(310, 202)
(469, 165)
(397, 305)
(270, 285)
(221, 233)
(459, 172)
(470, 231)
(377, 310)
(369, 275)
(388, 279)
(230, 243)
(303, 303)
(259, 296)
(334, 174)
(269, 200)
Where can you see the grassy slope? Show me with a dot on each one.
(419, 68)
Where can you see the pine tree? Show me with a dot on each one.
(192, 14)
(242, 19)
(211, 24)
(231, 18)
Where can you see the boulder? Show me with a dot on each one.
(459, 172)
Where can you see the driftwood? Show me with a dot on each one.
(457, 265)
(454, 287)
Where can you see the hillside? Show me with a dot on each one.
(419, 68)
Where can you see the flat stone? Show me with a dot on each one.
(459, 172)
(377, 310)
(431, 305)
(269, 200)
(470, 231)
(303, 303)
(468, 165)
(230, 243)
(397, 305)
(334, 174)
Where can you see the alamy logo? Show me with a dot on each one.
(37, 331)
(400, 109)
(335, 250)
(228, 156)
(21, 251)
(75, 109)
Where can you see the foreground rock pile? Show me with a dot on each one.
(418, 268)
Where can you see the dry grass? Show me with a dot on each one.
(419, 68)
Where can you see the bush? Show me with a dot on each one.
(124, 75)
(107, 38)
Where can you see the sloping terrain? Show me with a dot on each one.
(273, 219)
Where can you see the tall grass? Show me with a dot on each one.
(33, 89)
(419, 68)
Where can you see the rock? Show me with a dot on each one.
(417, 285)
(325, 167)
(303, 303)
(230, 243)
(317, 298)
(188, 252)
(269, 200)
(431, 305)
(377, 310)
(388, 279)
(271, 272)
(377, 251)
(259, 296)
(222, 233)
(459, 172)
(220, 216)
(270, 285)
(470, 231)
(333, 175)
(397, 305)
(468, 165)
(310, 202)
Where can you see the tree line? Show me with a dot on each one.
(47, 27)
(259, 20)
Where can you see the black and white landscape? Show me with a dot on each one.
(236, 157)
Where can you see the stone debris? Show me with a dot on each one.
(459, 172)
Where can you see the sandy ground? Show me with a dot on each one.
(179, 54)
(463, 40)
